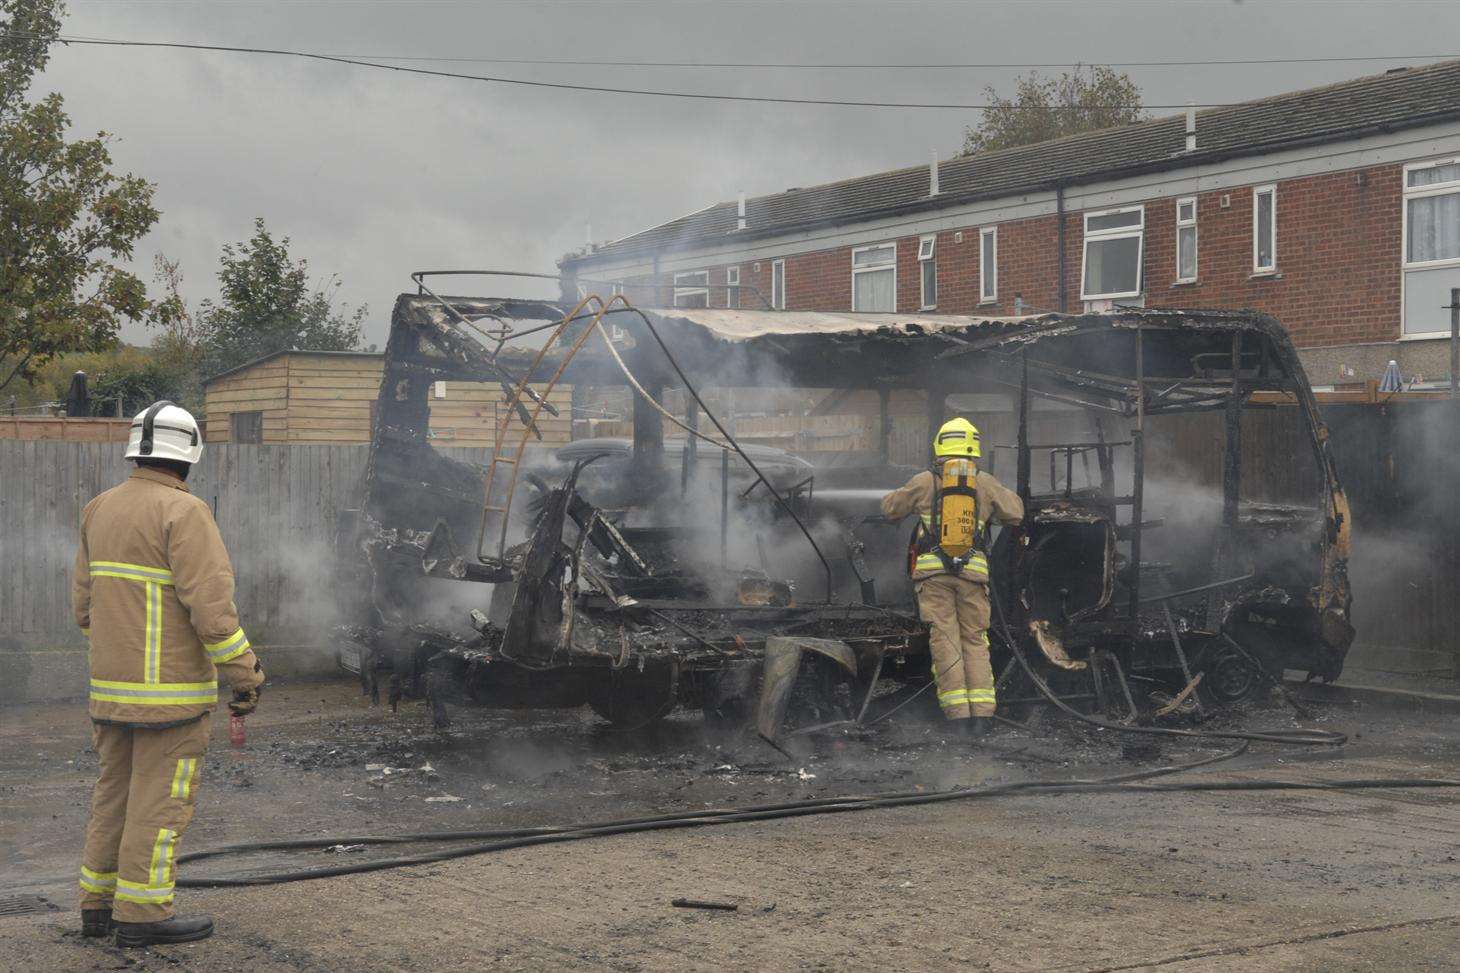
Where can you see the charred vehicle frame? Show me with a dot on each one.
(594, 602)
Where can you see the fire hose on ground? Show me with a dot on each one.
(504, 839)
(494, 840)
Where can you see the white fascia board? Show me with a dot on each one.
(1407, 146)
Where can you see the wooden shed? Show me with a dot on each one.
(306, 397)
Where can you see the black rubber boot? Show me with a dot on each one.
(96, 922)
(173, 930)
(978, 728)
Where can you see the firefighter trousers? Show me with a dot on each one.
(957, 613)
(140, 807)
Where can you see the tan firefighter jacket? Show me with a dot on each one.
(996, 502)
(153, 590)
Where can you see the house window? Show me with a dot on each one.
(1114, 248)
(1186, 240)
(692, 289)
(1431, 244)
(928, 271)
(874, 278)
(988, 265)
(616, 288)
(1264, 229)
(732, 289)
(778, 285)
(246, 427)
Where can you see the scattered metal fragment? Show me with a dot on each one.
(700, 904)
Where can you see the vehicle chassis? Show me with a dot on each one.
(578, 615)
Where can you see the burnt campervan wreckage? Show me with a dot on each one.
(640, 577)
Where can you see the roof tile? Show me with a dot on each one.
(1400, 99)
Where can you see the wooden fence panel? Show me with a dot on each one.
(277, 507)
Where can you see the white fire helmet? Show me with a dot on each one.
(165, 431)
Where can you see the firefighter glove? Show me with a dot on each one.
(244, 701)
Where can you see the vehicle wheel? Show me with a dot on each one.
(1227, 676)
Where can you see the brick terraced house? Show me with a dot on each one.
(1336, 209)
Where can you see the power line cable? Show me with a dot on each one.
(900, 66)
(603, 89)
(375, 61)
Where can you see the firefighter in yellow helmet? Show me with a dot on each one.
(153, 592)
(955, 501)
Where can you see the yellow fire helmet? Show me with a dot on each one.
(957, 437)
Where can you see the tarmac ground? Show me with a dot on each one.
(1268, 881)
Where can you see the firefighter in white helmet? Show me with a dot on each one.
(955, 502)
(153, 592)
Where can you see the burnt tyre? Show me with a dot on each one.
(634, 700)
(1228, 675)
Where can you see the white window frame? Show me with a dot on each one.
(691, 289)
(878, 269)
(616, 288)
(778, 285)
(988, 290)
(1257, 193)
(732, 287)
(1195, 240)
(1405, 264)
(927, 254)
(1118, 233)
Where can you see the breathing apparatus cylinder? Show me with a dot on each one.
(957, 513)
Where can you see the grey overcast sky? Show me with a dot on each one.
(373, 174)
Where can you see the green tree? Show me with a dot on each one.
(67, 219)
(179, 345)
(136, 376)
(266, 304)
(1043, 108)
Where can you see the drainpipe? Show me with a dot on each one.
(1059, 209)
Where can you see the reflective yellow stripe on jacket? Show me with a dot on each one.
(152, 691)
(230, 648)
(154, 694)
(977, 565)
(154, 579)
(131, 572)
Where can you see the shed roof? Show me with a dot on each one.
(1404, 98)
(292, 351)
